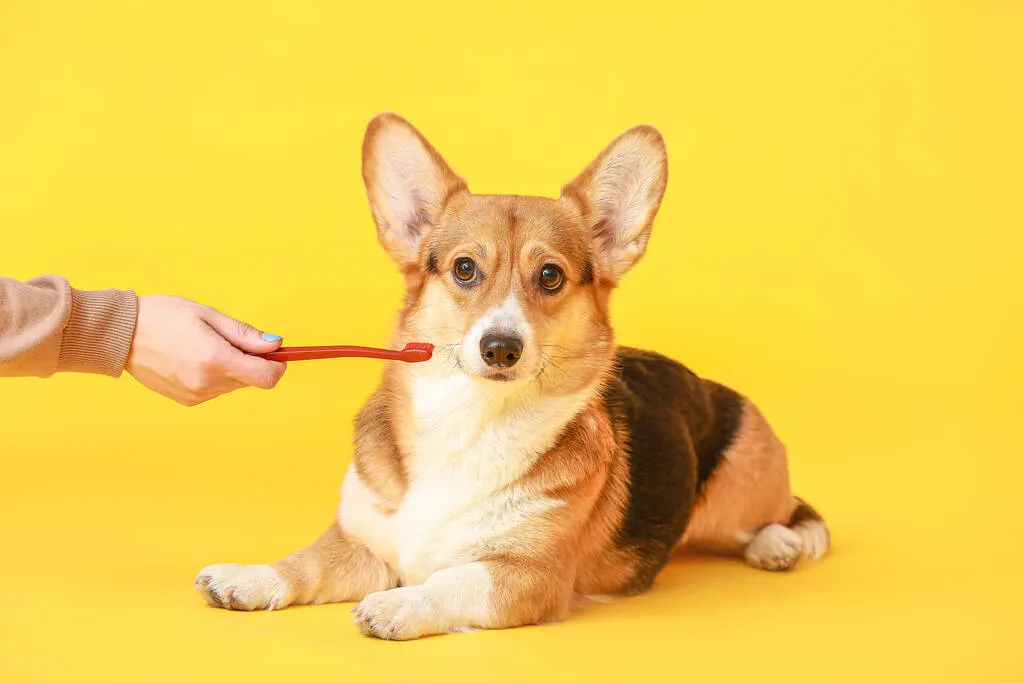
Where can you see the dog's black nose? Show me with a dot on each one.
(500, 352)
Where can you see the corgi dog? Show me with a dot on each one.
(531, 461)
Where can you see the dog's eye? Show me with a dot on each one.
(551, 277)
(464, 270)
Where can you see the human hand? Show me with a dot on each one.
(191, 353)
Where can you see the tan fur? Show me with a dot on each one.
(748, 490)
(379, 462)
(490, 498)
(533, 573)
(331, 569)
(590, 474)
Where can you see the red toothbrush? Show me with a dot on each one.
(416, 352)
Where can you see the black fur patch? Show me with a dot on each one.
(675, 427)
(432, 261)
(803, 513)
(587, 273)
(726, 412)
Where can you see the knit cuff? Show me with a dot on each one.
(99, 332)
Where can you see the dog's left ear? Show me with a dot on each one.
(407, 183)
(619, 194)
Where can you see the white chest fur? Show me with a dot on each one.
(472, 441)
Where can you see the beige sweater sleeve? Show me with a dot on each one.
(46, 326)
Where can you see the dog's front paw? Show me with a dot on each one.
(233, 586)
(396, 614)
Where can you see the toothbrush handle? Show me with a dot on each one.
(290, 353)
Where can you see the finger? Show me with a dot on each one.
(239, 334)
(252, 371)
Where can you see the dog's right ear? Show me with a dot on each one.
(407, 183)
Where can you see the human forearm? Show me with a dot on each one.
(46, 326)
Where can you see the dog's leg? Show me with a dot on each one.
(332, 569)
(777, 547)
(747, 507)
(499, 593)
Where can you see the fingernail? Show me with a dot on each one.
(270, 337)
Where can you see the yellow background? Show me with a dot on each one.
(841, 240)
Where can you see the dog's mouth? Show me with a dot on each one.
(504, 375)
(499, 376)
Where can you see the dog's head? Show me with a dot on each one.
(509, 288)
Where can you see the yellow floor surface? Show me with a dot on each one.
(101, 543)
(841, 240)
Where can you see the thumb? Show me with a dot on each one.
(239, 334)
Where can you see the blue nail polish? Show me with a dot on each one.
(271, 337)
